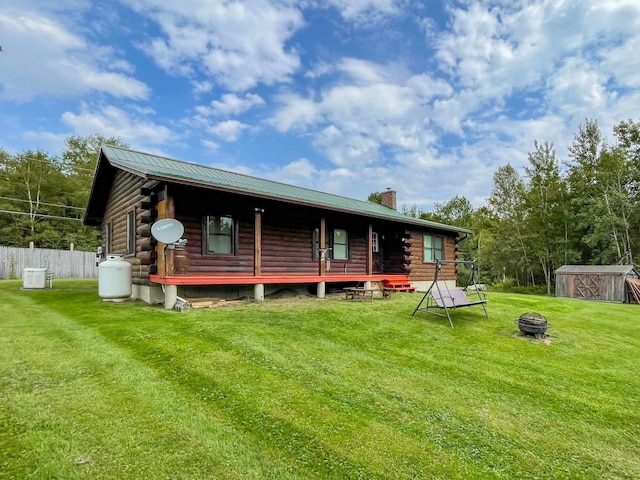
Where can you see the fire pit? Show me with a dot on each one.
(532, 323)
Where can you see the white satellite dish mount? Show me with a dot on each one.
(168, 231)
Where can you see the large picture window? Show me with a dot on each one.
(433, 248)
(219, 235)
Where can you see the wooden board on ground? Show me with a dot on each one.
(208, 302)
(634, 290)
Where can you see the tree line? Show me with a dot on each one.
(43, 197)
(581, 210)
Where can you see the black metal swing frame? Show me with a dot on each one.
(447, 298)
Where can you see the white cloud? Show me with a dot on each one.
(110, 121)
(201, 87)
(47, 141)
(43, 57)
(371, 117)
(209, 145)
(236, 44)
(230, 104)
(296, 172)
(367, 11)
(228, 130)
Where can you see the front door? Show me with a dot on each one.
(376, 251)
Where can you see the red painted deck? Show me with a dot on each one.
(271, 279)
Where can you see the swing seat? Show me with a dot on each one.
(448, 298)
(453, 298)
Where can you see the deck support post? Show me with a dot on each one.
(367, 285)
(321, 289)
(258, 292)
(170, 296)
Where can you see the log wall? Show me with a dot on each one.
(286, 234)
(127, 194)
(419, 270)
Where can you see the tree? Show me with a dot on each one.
(375, 197)
(583, 190)
(43, 197)
(79, 160)
(545, 203)
(603, 183)
(505, 202)
(33, 192)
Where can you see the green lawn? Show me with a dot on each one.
(314, 389)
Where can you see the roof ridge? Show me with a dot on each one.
(165, 157)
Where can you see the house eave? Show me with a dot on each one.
(236, 191)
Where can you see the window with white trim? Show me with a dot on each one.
(375, 248)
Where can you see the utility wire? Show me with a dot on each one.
(42, 203)
(41, 215)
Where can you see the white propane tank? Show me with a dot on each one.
(114, 279)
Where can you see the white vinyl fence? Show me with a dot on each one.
(61, 263)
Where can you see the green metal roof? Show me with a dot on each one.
(163, 168)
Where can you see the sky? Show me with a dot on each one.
(344, 96)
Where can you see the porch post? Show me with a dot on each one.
(257, 240)
(258, 292)
(323, 246)
(321, 289)
(170, 296)
(166, 209)
(370, 250)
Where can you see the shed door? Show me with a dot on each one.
(587, 287)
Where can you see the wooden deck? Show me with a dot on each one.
(273, 279)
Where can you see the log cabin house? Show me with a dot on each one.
(247, 235)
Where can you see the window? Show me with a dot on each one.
(337, 242)
(340, 244)
(108, 238)
(131, 233)
(219, 234)
(374, 242)
(433, 248)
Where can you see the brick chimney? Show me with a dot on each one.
(388, 198)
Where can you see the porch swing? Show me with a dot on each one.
(448, 298)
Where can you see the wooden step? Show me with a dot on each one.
(399, 286)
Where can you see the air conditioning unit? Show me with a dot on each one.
(34, 278)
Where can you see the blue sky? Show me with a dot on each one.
(343, 96)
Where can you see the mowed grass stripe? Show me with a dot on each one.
(86, 397)
(339, 389)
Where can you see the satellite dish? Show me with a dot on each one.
(167, 230)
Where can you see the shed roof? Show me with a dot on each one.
(599, 269)
(176, 171)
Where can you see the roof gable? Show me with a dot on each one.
(176, 171)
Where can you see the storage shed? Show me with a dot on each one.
(595, 282)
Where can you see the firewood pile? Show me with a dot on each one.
(633, 287)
